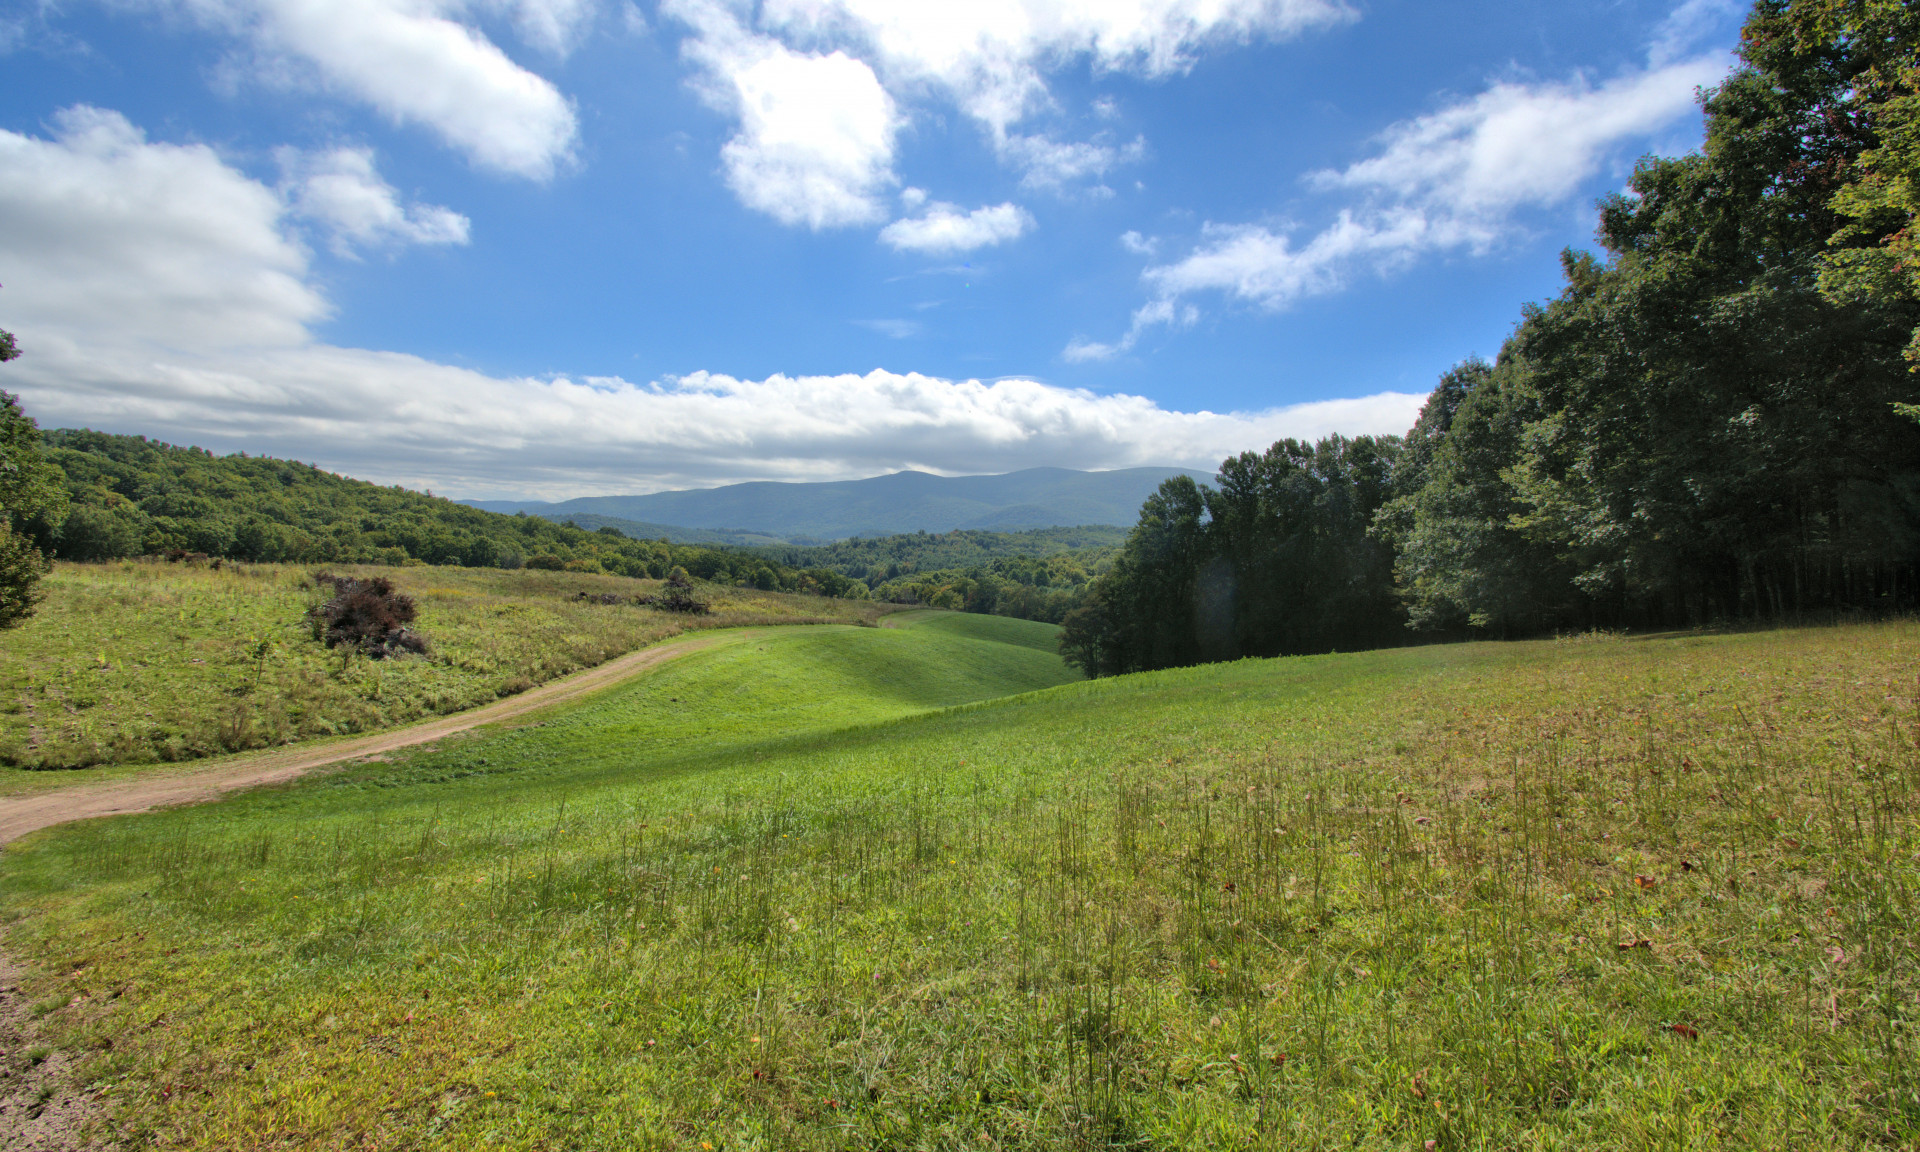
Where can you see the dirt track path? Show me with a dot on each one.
(20, 815)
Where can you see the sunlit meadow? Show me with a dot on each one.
(798, 893)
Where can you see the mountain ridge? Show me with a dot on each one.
(898, 502)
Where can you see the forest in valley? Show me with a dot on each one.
(1714, 421)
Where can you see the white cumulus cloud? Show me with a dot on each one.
(417, 63)
(154, 289)
(989, 59)
(107, 237)
(1521, 144)
(946, 228)
(341, 191)
(816, 135)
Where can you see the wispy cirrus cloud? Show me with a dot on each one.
(849, 68)
(894, 329)
(1460, 178)
(340, 191)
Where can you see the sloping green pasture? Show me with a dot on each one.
(140, 661)
(1604, 894)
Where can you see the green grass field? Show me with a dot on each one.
(138, 662)
(812, 889)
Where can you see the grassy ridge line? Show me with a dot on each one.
(1367, 900)
(143, 662)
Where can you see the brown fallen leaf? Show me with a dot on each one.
(1687, 1030)
(1641, 942)
(1646, 882)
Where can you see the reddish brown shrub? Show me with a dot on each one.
(369, 615)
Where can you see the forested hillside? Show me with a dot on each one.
(1714, 420)
(1039, 574)
(880, 558)
(127, 496)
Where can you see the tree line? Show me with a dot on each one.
(75, 494)
(1045, 588)
(906, 555)
(1715, 420)
(1035, 574)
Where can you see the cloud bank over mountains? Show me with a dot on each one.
(160, 287)
(156, 288)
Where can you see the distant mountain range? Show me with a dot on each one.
(766, 511)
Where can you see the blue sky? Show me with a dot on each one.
(561, 247)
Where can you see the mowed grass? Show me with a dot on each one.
(1609, 894)
(139, 662)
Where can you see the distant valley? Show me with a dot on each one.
(769, 512)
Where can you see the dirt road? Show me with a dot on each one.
(20, 815)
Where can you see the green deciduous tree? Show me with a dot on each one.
(1462, 560)
(1292, 528)
(1696, 428)
(32, 504)
(1876, 45)
(1278, 560)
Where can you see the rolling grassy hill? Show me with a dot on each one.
(1604, 893)
(138, 661)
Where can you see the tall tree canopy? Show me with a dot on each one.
(1277, 560)
(32, 502)
(1699, 426)
(1874, 47)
